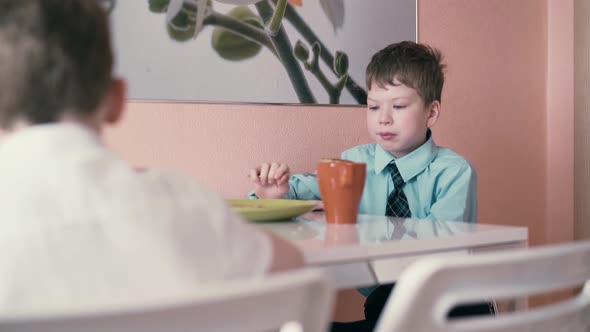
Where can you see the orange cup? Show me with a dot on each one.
(341, 184)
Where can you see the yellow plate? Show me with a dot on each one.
(270, 209)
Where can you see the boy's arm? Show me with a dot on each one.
(456, 197)
(302, 186)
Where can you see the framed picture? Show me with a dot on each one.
(265, 51)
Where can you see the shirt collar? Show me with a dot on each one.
(411, 164)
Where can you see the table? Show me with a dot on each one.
(378, 248)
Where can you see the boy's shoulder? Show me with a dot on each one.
(448, 159)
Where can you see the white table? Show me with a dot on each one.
(378, 248)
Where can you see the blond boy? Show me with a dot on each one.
(405, 82)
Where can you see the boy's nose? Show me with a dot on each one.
(385, 119)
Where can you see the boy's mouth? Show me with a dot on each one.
(386, 136)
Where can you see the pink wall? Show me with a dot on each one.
(560, 122)
(218, 144)
(494, 100)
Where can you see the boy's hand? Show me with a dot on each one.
(271, 180)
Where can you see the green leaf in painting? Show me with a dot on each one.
(232, 46)
(158, 6)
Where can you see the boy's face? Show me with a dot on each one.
(397, 118)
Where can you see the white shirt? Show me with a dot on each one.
(79, 227)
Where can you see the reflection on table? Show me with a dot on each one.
(377, 248)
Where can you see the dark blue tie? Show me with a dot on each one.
(397, 203)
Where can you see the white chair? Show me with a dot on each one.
(292, 301)
(429, 288)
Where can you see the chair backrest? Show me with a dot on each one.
(428, 289)
(297, 300)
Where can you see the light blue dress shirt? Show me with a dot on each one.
(440, 184)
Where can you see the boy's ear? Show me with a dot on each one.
(433, 113)
(116, 102)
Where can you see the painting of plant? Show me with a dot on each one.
(263, 51)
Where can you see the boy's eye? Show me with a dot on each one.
(398, 107)
(373, 108)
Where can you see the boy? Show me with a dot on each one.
(408, 175)
(79, 227)
(404, 83)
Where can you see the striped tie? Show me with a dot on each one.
(397, 203)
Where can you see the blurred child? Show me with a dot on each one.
(80, 227)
